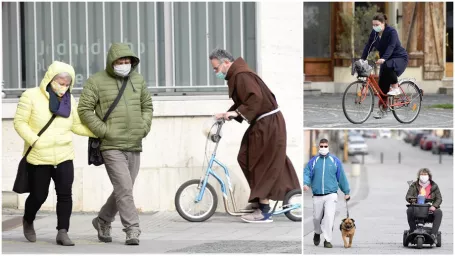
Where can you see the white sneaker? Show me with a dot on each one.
(379, 114)
(394, 92)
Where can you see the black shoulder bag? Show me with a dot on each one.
(21, 183)
(94, 144)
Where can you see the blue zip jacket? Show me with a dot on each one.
(324, 174)
(390, 49)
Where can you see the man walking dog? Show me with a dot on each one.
(324, 173)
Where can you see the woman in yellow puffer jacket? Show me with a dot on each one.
(52, 153)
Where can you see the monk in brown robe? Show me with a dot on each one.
(262, 154)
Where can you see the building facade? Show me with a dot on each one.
(173, 41)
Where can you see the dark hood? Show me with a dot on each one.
(238, 66)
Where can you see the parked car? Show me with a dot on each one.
(351, 134)
(369, 134)
(443, 145)
(357, 145)
(417, 137)
(408, 137)
(426, 142)
(385, 134)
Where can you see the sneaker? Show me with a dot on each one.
(257, 217)
(132, 237)
(394, 92)
(29, 231)
(380, 114)
(327, 244)
(103, 228)
(316, 239)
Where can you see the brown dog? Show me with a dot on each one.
(347, 228)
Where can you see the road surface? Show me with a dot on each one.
(326, 111)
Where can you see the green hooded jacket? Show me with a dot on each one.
(131, 119)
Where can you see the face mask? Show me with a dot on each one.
(59, 89)
(220, 74)
(122, 70)
(323, 151)
(424, 178)
(377, 28)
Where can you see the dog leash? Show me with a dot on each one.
(347, 209)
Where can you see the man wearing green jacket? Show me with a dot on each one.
(121, 135)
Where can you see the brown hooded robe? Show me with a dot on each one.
(262, 154)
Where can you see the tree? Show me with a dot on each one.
(357, 29)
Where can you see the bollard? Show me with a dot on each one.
(363, 158)
(440, 157)
(382, 158)
(355, 170)
(399, 157)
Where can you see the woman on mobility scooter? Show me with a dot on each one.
(425, 186)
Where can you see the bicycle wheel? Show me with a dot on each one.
(358, 102)
(410, 103)
(294, 197)
(187, 207)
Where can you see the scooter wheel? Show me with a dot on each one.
(419, 242)
(184, 208)
(438, 244)
(294, 195)
(405, 236)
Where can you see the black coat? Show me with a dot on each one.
(390, 49)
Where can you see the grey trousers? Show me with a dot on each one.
(324, 206)
(122, 168)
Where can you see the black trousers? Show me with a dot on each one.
(387, 77)
(39, 178)
(436, 217)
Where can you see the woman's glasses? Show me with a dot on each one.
(323, 146)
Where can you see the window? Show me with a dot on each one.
(173, 40)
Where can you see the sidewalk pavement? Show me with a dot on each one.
(162, 232)
(380, 215)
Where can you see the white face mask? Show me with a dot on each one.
(323, 151)
(424, 178)
(122, 70)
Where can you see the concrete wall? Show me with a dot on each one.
(173, 152)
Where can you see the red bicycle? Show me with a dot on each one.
(358, 98)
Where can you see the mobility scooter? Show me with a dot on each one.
(422, 234)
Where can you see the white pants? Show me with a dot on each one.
(324, 206)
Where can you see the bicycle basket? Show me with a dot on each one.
(362, 68)
(420, 210)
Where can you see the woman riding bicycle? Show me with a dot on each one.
(393, 57)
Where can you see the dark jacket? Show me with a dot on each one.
(131, 119)
(435, 193)
(390, 49)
